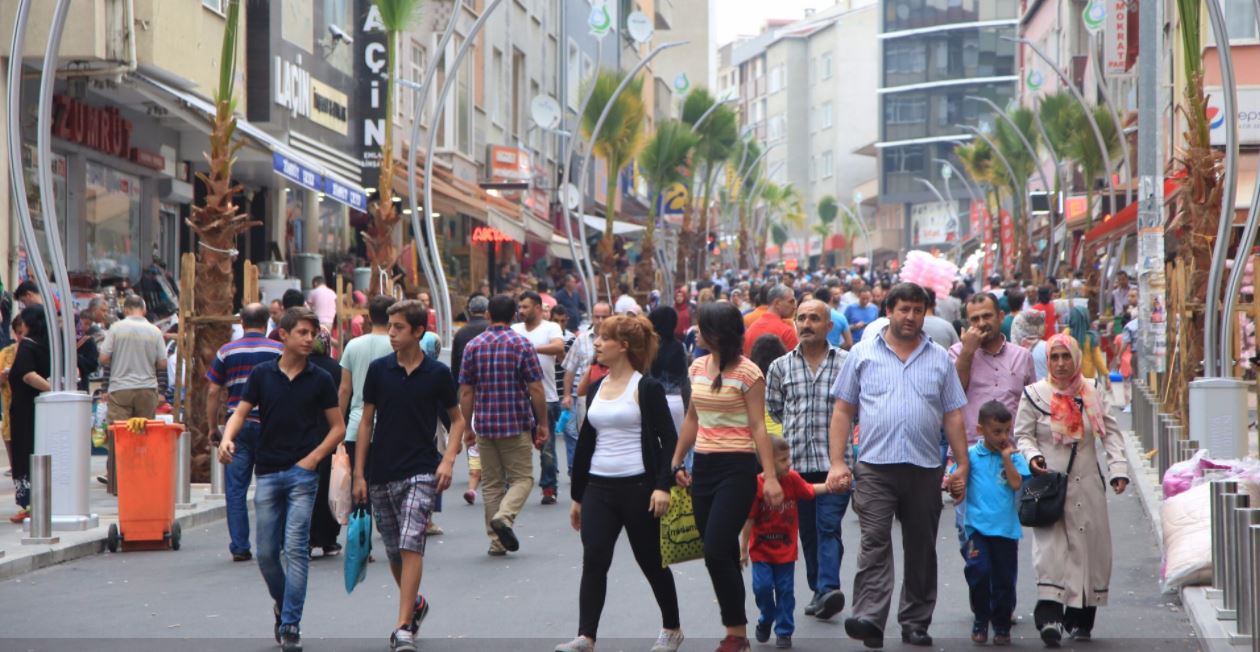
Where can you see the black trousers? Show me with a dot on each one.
(724, 486)
(324, 528)
(609, 505)
(1048, 612)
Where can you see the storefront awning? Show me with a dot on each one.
(559, 247)
(286, 161)
(513, 228)
(619, 228)
(1126, 220)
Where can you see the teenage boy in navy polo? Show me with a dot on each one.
(404, 395)
(290, 393)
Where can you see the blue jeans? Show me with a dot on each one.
(820, 539)
(991, 571)
(549, 477)
(236, 478)
(774, 589)
(571, 435)
(283, 503)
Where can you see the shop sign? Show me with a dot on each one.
(489, 235)
(932, 223)
(370, 61)
(986, 223)
(329, 107)
(340, 192)
(101, 129)
(509, 164)
(293, 87)
(977, 210)
(1248, 115)
(296, 172)
(1075, 209)
(1116, 39)
(148, 159)
(672, 201)
(1008, 241)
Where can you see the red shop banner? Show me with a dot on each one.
(1008, 242)
(986, 230)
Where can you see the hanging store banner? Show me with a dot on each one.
(986, 223)
(1008, 242)
(975, 214)
(1116, 39)
(1152, 300)
(370, 63)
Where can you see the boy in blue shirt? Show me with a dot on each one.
(992, 524)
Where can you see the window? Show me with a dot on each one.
(1240, 19)
(813, 168)
(908, 159)
(776, 127)
(496, 83)
(415, 73)
(516, 119)
(464, 107)
(826, 65)
(113, 222)
(902, 109)
(213, 5)
(776, 79)
(826, 116)
(827, 165)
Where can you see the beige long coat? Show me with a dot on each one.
(1072, 558)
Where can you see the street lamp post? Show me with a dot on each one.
(580, 262)
(443, 301)
(586, 159)
(1052, 263)
(1032, 152)
(1010, 171)
(1212, 355)
(1089, 115)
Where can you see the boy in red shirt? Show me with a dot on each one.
(769, 539)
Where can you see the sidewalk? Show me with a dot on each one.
(1214, 635)
(19, 559)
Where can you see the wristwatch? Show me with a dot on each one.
(676, 469)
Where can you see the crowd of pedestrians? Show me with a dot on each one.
(777, 403)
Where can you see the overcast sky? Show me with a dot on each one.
(732, 18)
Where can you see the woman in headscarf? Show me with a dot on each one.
(1060, 418)
(682, 306)
(28, 378)
(1093, 364)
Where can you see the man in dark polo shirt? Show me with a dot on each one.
(290, 393)
(405, 394)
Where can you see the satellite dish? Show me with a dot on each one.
(639, 27)
(571, 196)
(545, 111)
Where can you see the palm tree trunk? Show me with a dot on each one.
(606, 256)
(380, 233)
(645, 270)
(743, 235)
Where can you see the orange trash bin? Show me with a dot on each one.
(145, 465)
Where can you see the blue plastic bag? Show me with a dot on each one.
(358, 546)
(563, 422)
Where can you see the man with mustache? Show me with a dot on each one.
(798, 395)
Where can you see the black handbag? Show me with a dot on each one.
(1042, 497)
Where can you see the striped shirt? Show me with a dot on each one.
(724, 425)
(234, 362)
(499, 364)
(902, 405)
(800, 399)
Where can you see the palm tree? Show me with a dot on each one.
(828, 209)
(396, 15)
(742, 173)
(1023, 164)
(1082, 148)
(663, 162)
(618, 141)
(718, 136)
(217, 224)
(977, 161)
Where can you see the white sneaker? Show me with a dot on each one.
(669, 640)
(402, 640)
(579, 644)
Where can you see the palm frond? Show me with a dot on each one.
(396, 15)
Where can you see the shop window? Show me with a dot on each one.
(112, 225)
(214, 5)
(60, 198)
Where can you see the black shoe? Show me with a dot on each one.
(1001, 638)
(275, 609)
(418, 615)
(783, 642)
(864, 630)
(1082, 635)
(102, 479)
(812, 608)
(291, 639)
(830, 604)
(917, 637)
(332, 550)
(763, 632)
(1052, 634)
(242, 556)
(506, 536)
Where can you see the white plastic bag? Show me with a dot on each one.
(1187, 538)
(340, 485)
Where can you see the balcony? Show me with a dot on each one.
(664, 14)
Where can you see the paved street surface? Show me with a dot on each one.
(526, 601)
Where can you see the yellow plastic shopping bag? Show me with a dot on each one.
(680, 538)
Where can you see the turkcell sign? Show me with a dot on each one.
(296, 172)
(352, 197)
(1248, 115)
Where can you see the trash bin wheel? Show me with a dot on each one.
(175, 535)
(112, 538)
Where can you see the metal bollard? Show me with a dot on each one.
(1218, 490)
(1229, 600)
(1253, 545)
(40, 522)
(1178, 448)
(1142, 416)
(216, 478)
(1192, 448)
(1245, 518)
(1161, 452)
(183, 472)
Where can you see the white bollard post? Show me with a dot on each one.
(40, 522)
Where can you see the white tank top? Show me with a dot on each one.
(618, 426)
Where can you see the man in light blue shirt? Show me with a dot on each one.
(904, 389)
(839, 335)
